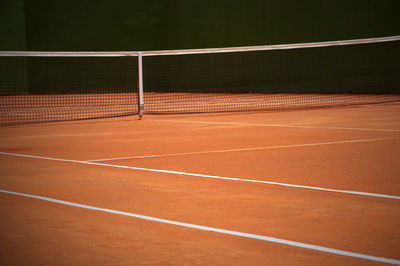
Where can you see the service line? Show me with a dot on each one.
(211, 229)
(360, 193)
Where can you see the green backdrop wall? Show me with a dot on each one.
(12, 25)
(111, 25)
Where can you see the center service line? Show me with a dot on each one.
(245, 149)
(209, 176)
(277, 125)
(212, 229)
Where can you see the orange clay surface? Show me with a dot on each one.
(349, 148)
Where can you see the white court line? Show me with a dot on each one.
(360, 193)
(381, 106)
(212, 229)
(242, 149)
(276, 125)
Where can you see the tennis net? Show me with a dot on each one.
(58, 86)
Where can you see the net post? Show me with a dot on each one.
(140, 86)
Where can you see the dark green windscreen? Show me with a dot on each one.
(103, 25)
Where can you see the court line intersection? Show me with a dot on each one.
(360, 193)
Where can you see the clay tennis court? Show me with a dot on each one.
(302, 187)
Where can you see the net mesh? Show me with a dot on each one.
(272, 79)
(48, 87)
